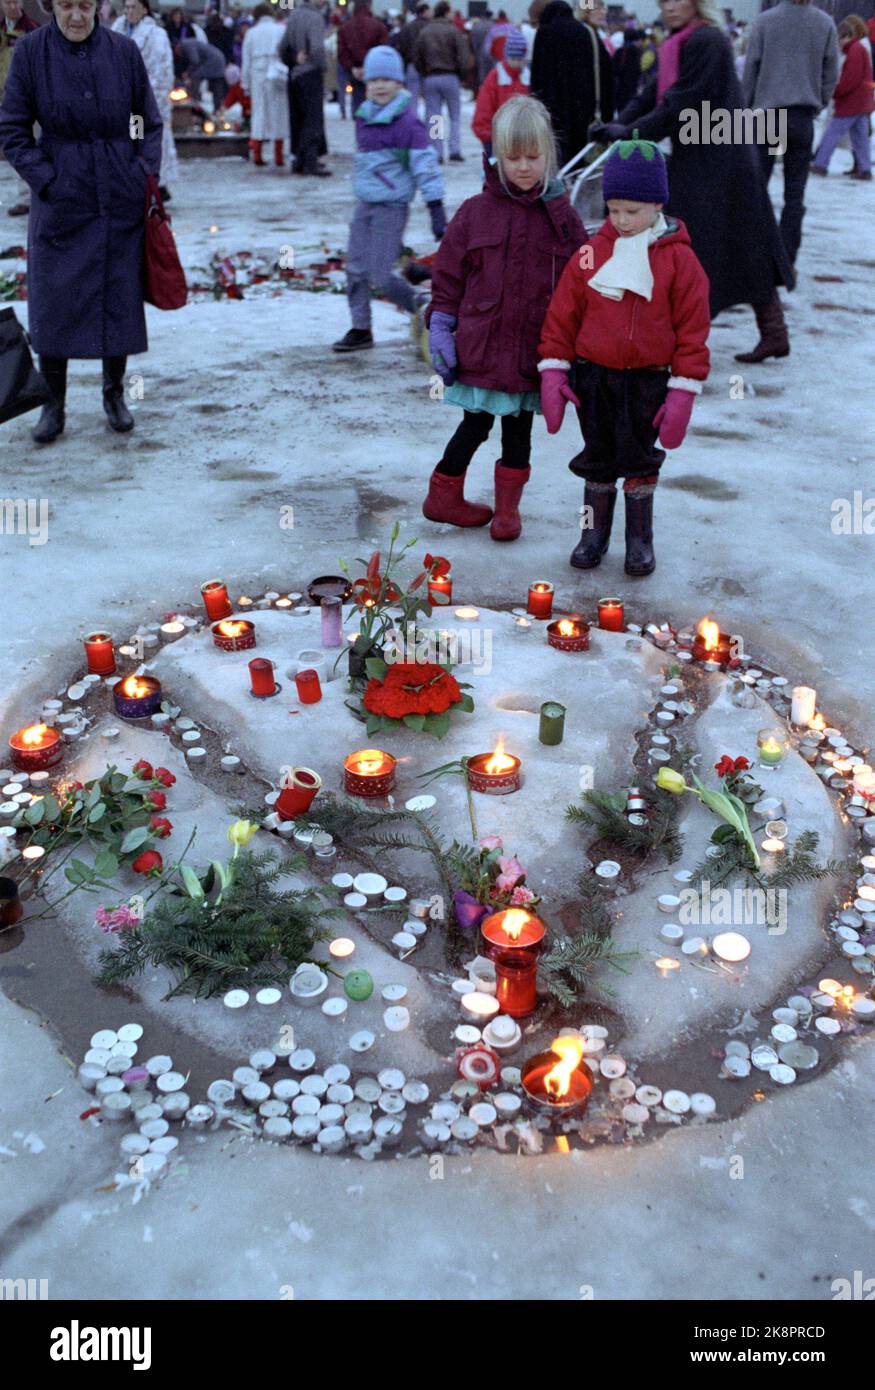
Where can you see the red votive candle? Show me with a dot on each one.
(261, 675)
(36, 748)
(216, 601)
(540, 603)
(309, 689)
(513, 938)
(298, 792)
(611, 616)
(440, 590)
(99, 654)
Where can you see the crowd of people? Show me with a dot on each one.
(527, 311)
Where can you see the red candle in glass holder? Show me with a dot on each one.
(299, 789)
(540, 603)
(36, 748)
(440, 590)
(513, 940)
(611, 616)
(309, 688)
(99, 653)
(261, 676)
(216, 601)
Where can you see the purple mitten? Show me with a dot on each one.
(442, 345)
(555, 394)
(673, 417)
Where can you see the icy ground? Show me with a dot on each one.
(244, 412)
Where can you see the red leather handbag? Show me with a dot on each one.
(165, 285)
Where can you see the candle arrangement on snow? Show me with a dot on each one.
(513, 940)
(216, 601)
(137, 697)
(559, 1081)
(234, 634)
(494, 774)
(369, 772)
(35, 748)
(569, 635)
(540, 603)
(611, 614)
(99, 653)
(712, 645)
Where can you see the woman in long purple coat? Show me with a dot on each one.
(100, 135)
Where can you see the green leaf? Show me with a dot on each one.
(415, 721)
(77, 872)
(134, 838)
(93, 796)
(192, 882)
(373, 724)
(466, 704)
(35, 812)
(53, 810)
(376, 668)
(105, 864)
(438, 724)
(97, 813)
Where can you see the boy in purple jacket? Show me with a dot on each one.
(394, 157)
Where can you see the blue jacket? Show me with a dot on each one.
(394, 155)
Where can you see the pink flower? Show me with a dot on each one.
(491, 842)
(511, 871)
(520, 896)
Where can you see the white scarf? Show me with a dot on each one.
(628, 267)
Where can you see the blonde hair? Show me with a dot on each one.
(520, 126)
(710, 13)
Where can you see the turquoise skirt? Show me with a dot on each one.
(477, 398)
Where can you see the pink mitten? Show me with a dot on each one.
(673, 417)
(555, 393)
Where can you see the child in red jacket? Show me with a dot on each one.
(629, 321)
(853, 103)
(498, 264)
(507, 79)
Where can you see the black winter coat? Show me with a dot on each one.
(717, 190)
(566, 58)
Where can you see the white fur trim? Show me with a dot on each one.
(685, 383)
(554, 364)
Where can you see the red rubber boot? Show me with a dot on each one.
(278, 154)
(446, 502)
(255, 147)
(509, 484)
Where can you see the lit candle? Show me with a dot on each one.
(771, 746)
(332, 622)
(368, 772)
(137, 697)
(36, 747)
(559, 1081)
(262, 678)
(495, 774)
(611, 615)
(216, 601)
(731, 946)
(551, 728)
(341, 948)
(440, 590)
(234, 634)
(308, 686)
(513, 939)
(710, 644)
(540, 603)
(99, 653)
(171, 630)
(568, 635)
(667, 965)
(803, 704)
(772, 848)
(467, 614)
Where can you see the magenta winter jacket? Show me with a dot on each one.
(499, 262)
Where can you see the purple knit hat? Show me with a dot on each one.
(515, 45)
(635, 169)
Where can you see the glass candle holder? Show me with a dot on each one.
(771, 747)
(551, 729)
(216, 601)
(611, 614)
(540, 603)
(308, 686)
(440, 590)
(332, 622)
(262, 678)
(99, 654)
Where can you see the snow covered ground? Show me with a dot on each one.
(246, 411)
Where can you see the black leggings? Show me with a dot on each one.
(516, 441)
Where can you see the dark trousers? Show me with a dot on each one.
(797, 157)
(616, 420)
(516, 440)
(306, 120)
(359, 92)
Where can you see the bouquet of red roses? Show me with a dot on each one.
(417, 695)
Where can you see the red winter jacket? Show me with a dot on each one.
(493, 94)
(498, 264)
(669, 330)
(853, 94)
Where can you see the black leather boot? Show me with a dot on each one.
(120, 418)
(640, 559)
(594, 539)
(51, 421)
(774, 339)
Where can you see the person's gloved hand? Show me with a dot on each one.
(608, 132)
(442, 345)
(438, 219)
(555, 394)
(673, 417)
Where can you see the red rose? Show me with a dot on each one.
(157, 799)
(162, 775)
(160, 826)
(143, 770)
(149, 862)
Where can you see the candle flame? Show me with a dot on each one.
(818, 723)
(567, 628)
(710, 634)
(234, 628)
(179, 94)
(35, 735)
(569, 1050)
(513, 922)
(369, 762)
(499, 761)
(136, 688)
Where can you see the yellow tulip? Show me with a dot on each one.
(670, 781)
(241, 832)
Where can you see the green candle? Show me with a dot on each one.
(552, 726)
